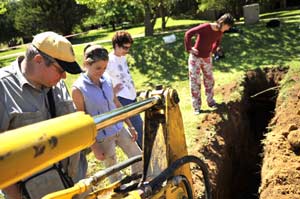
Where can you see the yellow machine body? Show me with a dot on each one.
(175, 137)
(40, 145)
(170, 191)
(27, 150)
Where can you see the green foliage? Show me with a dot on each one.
(211, 4)
(184, 8)
(110, 12)
(152, 9)
(235, 7)
(3, 9)
(7, 31)
(34, 16)
(25, 18)
(134, 11)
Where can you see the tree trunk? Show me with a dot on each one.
(113, 25)
(239, 8)
(149, 30)
(283, 4)
(162, 11)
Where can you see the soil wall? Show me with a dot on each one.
(281, 163)
(233, 134)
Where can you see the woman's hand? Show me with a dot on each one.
(194, 51)
(98, 152)
(133, 133)
(118, 88)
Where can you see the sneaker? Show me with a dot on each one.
(197, 112)
(212, 104)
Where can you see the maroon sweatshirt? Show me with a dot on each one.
(207, 39)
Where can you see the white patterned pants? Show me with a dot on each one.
(196, 65)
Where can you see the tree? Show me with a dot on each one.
(269, 5)
(7, 31)
(150, 18)
(122, 9)
(154, 9)
(3, 5)
(62, 16)
(235, 7)
(164, 11)
(114, 12)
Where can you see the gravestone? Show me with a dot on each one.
(251, 13)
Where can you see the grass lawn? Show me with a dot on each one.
(153, 62)
(102, 36)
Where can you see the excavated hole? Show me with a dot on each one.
(261, 91)
(234, 153)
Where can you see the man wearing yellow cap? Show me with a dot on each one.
(32, 90)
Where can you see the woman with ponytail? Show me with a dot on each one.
(208, 39)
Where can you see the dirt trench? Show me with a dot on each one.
(233, 136)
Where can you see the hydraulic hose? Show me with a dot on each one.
(187, 185)
(157, 182)
(86, 184)
(115, 168)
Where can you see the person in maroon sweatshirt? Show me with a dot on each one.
(208, 39)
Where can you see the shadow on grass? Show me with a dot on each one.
(257, 46)
(280, 14)
(85, 38)
(166, 63)
(163, 62)
(179, 27)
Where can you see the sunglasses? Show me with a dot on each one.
(126, 47)
(58, 68)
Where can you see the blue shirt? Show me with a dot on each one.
(98, 100)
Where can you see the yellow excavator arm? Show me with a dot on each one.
(27, 150)
(166, 163)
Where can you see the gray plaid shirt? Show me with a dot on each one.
(21, 104)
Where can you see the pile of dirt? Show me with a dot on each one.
(281, 163)
(234, 134)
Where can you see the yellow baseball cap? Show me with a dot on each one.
(59, 48)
